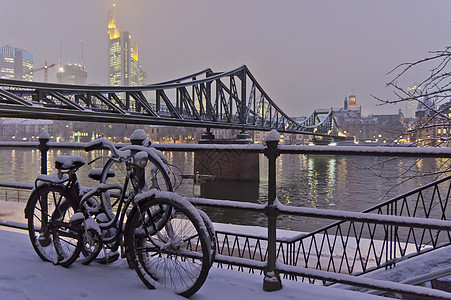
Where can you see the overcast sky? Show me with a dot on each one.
(305, 54)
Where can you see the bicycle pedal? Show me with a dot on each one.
(44, 240)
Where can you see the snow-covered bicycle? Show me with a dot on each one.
(165, 239)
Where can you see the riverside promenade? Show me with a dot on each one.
(24, 276)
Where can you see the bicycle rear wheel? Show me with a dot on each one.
(41, 206)
(177, 257)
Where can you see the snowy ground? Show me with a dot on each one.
(24, 276)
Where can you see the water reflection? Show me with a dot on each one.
(245, 191)
(337, 182)
(231, 190)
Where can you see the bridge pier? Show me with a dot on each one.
(209, 138)
(230, 167)
(237, 165)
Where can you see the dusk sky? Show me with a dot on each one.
(305, 54)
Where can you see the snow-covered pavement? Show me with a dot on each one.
(24, 276)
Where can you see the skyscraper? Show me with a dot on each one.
(123, 64)
(414, 90)
(72, 74)
(15, 63)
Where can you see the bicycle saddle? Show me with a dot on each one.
(97, 172)
(67, 162)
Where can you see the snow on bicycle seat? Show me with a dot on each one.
(68, 162)
(97, 173)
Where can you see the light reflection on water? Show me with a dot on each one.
(351, 183)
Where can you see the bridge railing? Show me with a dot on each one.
(379, 237)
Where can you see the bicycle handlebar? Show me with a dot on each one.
(125, 151)
(102, 144)
(94, 145)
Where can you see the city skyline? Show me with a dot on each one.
(306, 55)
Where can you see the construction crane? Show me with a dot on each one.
(45, 68)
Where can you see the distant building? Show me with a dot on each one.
(377, 128)
(350, 110)
(123, 64)
(352, 102)
(373, 128)
(414, 90)
(72, 74)
(15, 63)
(433, 126)
(23, 130)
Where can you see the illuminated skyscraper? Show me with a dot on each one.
(123, 65)
(72, 74)
(15, 63)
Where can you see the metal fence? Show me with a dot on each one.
(379, 237)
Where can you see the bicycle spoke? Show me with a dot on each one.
(167, 257)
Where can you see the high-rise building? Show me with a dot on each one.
(72, 74)
(16, 63)
(123, 64)
(414, 90)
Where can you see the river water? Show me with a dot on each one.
(351, 183)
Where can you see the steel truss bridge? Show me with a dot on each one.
(232, 100)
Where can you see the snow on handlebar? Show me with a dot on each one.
(108, 145)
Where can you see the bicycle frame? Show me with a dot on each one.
(71, 187)
(120, 215)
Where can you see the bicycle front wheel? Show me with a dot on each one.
(177, 257)
(152, 176)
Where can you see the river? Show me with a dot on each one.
(351, 183)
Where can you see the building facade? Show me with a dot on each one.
(433, 123)
(123, 65)
(16, 63)
(25, 130)
(373, 128)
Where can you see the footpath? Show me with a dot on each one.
(24, 276)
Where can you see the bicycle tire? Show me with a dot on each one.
(39, 212)
(176, 257)
(211, 233)
(67, 238)
(91, 247)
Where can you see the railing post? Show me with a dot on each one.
(138, 137)
(272, 280)
(44, 138)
